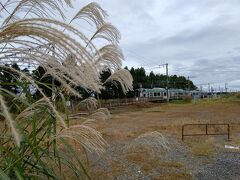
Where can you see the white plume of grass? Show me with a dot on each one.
(107, 32)
(28, 36)
(10, 122)
(90, 123)
(38, 8)
(91, 103)
(92, 13)
(28, 33)
(110, 57)
(53, 64)
(122, 76)
(31, 110)
(105, 111)
(101, 114)
(93, 118)
(98, 116)
(154, 138)
(86, 136)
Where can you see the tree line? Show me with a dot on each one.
(9, 80)
(141, 79)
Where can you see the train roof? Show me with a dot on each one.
(162, 90)
(154, 90)
(176, 90)
(170, 90)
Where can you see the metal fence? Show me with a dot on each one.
(121, 102)
(206, 132)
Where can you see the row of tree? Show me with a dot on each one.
(141, 79)
(159, 80)
(9, 81)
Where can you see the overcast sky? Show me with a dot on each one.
(197, 38)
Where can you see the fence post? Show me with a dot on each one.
(206, 129)
(183, 133)
(228, 133)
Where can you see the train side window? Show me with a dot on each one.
(155, 94)
(165, 93)
(159, 94)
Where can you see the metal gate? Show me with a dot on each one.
(206, 132)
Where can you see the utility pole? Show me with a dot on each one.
(166, 65)
(208, 90)
(167, 82)
(226, 88)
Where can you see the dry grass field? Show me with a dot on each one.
(131, 121)
(128, 158)
(135, 150)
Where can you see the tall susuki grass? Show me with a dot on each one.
(37, 140)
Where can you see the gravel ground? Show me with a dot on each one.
(225, 166)
(115, 164)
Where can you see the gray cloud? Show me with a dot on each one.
(197, 38)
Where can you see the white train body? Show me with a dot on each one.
(161, 94)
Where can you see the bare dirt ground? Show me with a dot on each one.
(133, 156)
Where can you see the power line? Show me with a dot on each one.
(137, 55)
(143, 58)
(196, 70)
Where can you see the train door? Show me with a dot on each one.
(165, 95)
